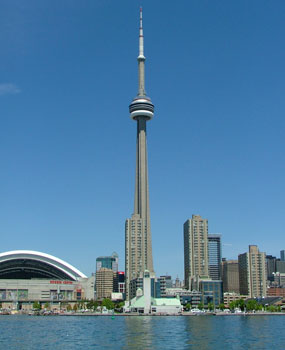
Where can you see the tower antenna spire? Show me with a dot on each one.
(141, 55)
(141, 59)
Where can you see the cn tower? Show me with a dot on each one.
(138, 247)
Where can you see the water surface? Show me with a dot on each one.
(141, 332)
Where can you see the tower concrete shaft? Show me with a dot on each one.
(138, 244)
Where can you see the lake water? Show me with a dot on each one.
(141, 332)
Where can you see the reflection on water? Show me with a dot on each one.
(141, 332)
(146, 332)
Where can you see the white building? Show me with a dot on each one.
(144, 303)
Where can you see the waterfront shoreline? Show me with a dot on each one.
(151, 315)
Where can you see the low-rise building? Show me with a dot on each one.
(28, 276)
(229, 297)
(276, 292)
(144, 303)
(212, 292)
(186, 297)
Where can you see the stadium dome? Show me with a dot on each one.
(28, 264)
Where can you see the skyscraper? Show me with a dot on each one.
(252, 273)
(282, 255)
(104, 283)
(215, 256)
(270, 267)
(106, 275)
(109, 262)
(230, 276)
(195, 249)
(138, 248)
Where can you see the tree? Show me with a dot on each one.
(222, 306)
(108, 304)
(119, 306)
(89, 305)
(36, 305)
(46, 305)
(240, 304)
(68, 307)
(187, 306)
(81, 304)
(271, 308)
(252, 305)
(259, 307)
(92, 305)
(200, 306)
(210, 306)
(75, 307)
(232, 305)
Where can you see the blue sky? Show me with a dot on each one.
(215, 72)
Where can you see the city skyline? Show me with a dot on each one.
(216, 146)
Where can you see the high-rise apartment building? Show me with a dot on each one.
(252, 273)
(230, 276)
(214, 255)
(138, 247)
(195, 249)
(282, 255)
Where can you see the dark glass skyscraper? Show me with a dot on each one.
(214, 256)
(108, 262)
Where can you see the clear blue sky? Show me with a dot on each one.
(68, 71)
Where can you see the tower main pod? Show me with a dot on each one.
(138, 247)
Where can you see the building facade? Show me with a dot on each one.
(276, 292)
(165, 282)
(27, 276)
(230, 297)
(121, 283)
(270, 266)
(230, 276)
(212, 292)
(195, 249)
(280, 266)
(104, 283)
(109, 262)
(214, 255)
(138, 245)
(252, 273)
(145, 303)
(278, 279)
